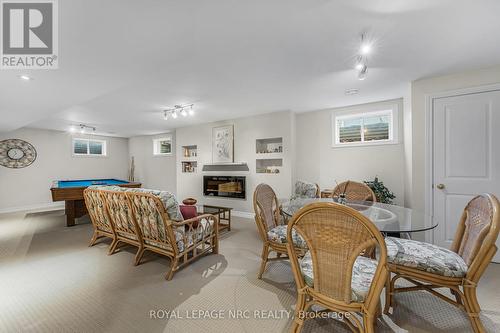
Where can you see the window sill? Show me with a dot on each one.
(87, 155)
(365, 144)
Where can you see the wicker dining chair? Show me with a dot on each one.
(355, 191)
(429, 266)
(119, 212)
(98, 216)
(181, 241)
(333, 274)
(271, 228)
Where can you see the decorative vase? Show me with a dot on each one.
(189, 201)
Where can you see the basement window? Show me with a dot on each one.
(162, 146)
(365, 128)
(89, 147)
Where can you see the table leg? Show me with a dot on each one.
(229, 222)
(70, 212)
(74, 209)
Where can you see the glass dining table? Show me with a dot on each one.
(391, 220)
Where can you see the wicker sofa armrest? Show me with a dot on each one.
(190, 222)
(198, 230)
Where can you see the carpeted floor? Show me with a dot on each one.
(50, 281)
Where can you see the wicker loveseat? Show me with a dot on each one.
(152, 220)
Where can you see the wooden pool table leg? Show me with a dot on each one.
(74, 209)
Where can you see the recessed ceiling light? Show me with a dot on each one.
(174, 115)
(351, 91)
(365, 48)
(25, 77)
(72, 129)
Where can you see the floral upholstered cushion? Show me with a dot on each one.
(108, 187)
(424, 256)
(363, 272)
(305, 190)
(127, 235)
(204, 229)
(168, 199)
(278, 235)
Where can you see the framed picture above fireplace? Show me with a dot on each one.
(223, 144)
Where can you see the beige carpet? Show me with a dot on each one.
(50, 281)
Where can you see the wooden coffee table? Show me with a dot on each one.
(224, 214)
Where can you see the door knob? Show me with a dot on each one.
(440, 186)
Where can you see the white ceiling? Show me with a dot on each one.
(122, 62)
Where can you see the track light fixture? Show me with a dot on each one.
(362, 59)
(183, 110)
(82, 128)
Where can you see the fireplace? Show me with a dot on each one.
(224, 186)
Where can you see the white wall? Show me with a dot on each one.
(420, 90)
(30, 187)
(319, 162)
(155, 172)
(246, 131)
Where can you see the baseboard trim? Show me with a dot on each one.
(34, 208)
(243, 214)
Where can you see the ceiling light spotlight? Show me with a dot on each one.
(366, 45)
(362, 76)
(72, 129)
(184, 112)
(360, 63)
(174, 114)
(82, 129)
(165, 115)
(25, 77)
(191, 111)
(366, 48)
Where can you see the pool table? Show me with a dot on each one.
(71, 191)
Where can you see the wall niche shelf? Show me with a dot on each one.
(189, 163)
(268, 165)
(190, 152)
(189, 166)
(269, 146)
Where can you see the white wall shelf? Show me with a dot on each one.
(189, 166)
(269, 165)
(269, 146)
(190, 152)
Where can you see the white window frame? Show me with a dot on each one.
(88, 154)
(391, 110)
(156, 145)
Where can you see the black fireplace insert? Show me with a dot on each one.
(224, 186)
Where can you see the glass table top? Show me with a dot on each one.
(387, 218)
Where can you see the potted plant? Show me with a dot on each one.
(383, 194)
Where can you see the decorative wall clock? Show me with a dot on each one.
(16, 154)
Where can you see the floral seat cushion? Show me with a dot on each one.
(204, 229)
(424, 256)
(363, 272)
(168, 199)
(278, 235)
(127, 235)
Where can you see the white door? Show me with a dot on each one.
(466, 149)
